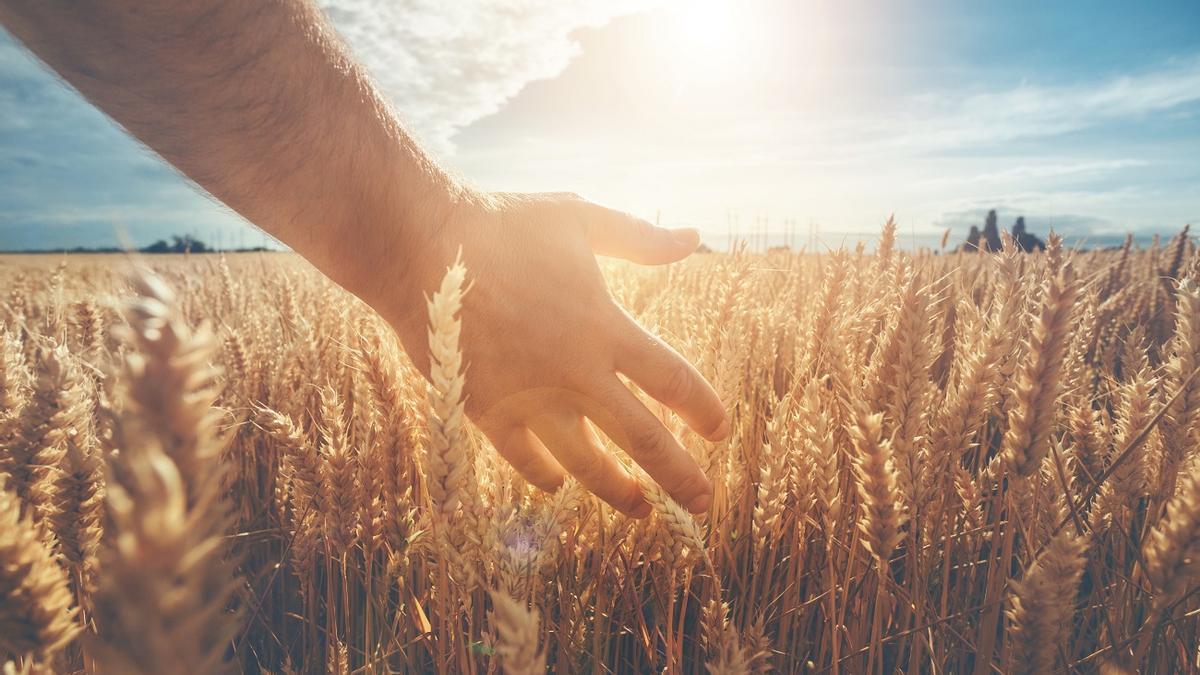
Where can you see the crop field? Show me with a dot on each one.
(942, 462)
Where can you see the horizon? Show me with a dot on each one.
(1082, 117)
(799, 241)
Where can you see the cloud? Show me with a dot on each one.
(446, 65)
(967, 117)
(1026, 172)
(950, 120)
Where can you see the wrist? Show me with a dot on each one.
(413, 238)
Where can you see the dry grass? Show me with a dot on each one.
(940, 463)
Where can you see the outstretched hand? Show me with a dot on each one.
(544, 341)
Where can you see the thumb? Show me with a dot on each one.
(621, 235)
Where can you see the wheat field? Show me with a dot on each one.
(941, 463)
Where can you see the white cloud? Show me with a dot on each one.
(448, 64)
(963, 117)
(954, 120)
(1025, 172)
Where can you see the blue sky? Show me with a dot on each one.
(1082, 116)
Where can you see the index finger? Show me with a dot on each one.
(662, 373)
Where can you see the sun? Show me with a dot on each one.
(708, 25)
(707, 39)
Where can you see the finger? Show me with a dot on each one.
(621, 235)
(521, 449)
(573, 443)
(662, 373)
(630, 425)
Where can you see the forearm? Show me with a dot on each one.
(259, 104)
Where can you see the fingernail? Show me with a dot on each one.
(722, 431)
(686, 237)
(640, 507)
(701, 503)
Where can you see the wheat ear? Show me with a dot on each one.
(681, 537)
(1172, 551)
(1181, 424)
(516, 636)
(1027, 440)
(448, 462)
(1043, 603)
(882, 516)
(164, 582)
(36, 616)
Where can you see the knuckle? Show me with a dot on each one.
(590, 469)
(689, 485)
(641, 229)
(678, 383)
(647, 441)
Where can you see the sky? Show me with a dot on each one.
(806, 119)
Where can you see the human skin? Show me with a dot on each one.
(260, 104)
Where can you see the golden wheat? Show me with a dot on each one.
(922, 444)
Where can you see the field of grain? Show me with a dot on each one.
(943, 463)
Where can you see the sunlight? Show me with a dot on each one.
(707, 36)
(708, 25)
(721, 43)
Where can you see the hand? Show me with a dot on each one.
(543, 342)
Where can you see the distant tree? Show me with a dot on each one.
(188, 244)
(1025, 241)
(184, 244)
(991, 233)
(989, 238)
(972, 243)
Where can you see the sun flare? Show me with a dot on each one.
(707, 36)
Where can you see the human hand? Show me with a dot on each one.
(543, 342)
